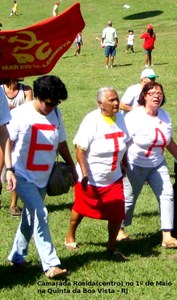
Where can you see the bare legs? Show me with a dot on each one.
(107, 59)
(148, 59)
(112, 60)
(14, 210)
(107, 62)
(113, 229)
(75, 220)
(78, 50)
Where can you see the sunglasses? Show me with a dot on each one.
(51, 104)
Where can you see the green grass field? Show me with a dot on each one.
(151, 272)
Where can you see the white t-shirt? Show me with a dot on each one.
(36, 138)
(131, 95)
(109, 34)
(149, 136)
(18, 99)
(4, 110)
(105, 145)
(130, 39)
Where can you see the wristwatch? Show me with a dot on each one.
(10, 169)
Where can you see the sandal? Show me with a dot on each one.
(15, 211)
(171, 244)
(71, 246)
(54, 272)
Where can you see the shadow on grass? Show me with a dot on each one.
(146, 214)
(55, 207)
(80, 260)
(143, 244)
(123, 65)
(144, 15)
(74, 56)
(10, 277)
(161, 64)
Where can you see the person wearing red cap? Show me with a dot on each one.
(148, 45)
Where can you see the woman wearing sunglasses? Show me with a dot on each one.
(37, 133)
(150, 129)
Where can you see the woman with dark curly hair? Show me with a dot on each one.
(150, 130)
(37, 133)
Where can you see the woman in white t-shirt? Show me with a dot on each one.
(150, 129)
(100, 147)
(37, 133)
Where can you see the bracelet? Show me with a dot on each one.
(10, 169)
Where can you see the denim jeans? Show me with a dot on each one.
(159, 180)
(34, 221)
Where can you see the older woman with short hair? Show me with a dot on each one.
(100, 147)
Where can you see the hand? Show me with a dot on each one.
(11, 181)
(75, 175)
(84, 182)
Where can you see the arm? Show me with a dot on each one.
(143, 35)
(28, 93)
(80, 156)
(124, 106)
(172, 148)
(116, 41)
(6, 149)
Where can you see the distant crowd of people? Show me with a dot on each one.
(110, 43)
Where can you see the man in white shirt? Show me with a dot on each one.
(130, 98)
(110, 41)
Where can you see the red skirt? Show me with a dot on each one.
(106, 203)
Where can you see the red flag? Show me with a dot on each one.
(35, 50)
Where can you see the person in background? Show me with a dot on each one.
(130, 41)
(110, 42)
(55, 9)
(14, 9)
(148, 45)
(100, 147)
(78, 43)
(16, 94)
(130, 98)
(37, 133)
(145, 159)
(5, 149)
